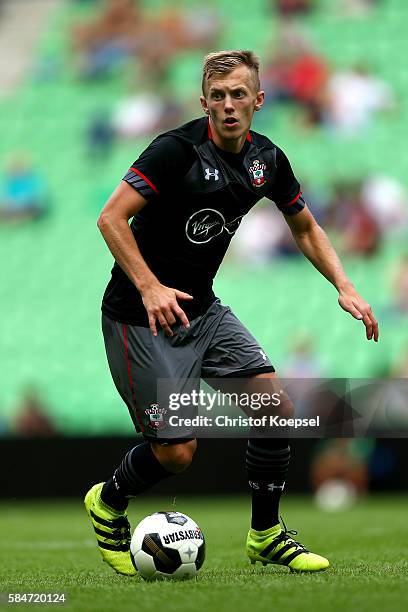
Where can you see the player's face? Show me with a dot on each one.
(230, 101)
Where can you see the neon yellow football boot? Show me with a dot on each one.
(112, 530)
(276, 546)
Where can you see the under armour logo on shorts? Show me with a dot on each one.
(214, 174)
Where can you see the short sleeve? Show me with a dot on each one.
(157, 167)
(285, 190)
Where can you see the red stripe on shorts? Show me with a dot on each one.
(132, 387)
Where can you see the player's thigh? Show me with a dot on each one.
(233, 351)
(236, 363)
(258, 395)
(139, 364)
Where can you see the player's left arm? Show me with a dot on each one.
(316, 246)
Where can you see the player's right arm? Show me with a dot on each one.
(160, 301)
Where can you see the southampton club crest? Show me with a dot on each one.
(156, 416)
(256, 170)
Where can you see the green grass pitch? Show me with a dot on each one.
(49, 547)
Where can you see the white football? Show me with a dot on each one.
(167, 545)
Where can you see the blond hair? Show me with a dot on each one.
(222, 62)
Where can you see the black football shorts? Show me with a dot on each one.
(216, 345)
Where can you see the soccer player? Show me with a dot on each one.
(187, 194)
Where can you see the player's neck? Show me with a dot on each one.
(231, 146)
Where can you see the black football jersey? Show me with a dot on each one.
(197, 195)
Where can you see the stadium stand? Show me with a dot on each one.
(54, 271)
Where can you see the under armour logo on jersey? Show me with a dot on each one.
(208, 174)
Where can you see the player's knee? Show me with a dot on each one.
(286, 409)
(175, 457)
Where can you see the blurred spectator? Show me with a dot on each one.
(259, 235)
(286, 246)
(145, 113)
(362, 235)
(32, 420)
(264, 234)
(104, 42)
(23, 193)
(358, 232)
(353, 97)
(340, 472)
(288, 8)
(303, 361)
(192, 28)
(297, 74)
(316, 199)
(387, 201)
(122, 30)
(175, 31)
(203, 25)
(100, 135)
(343, 198)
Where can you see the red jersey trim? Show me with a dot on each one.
(294, 199)
(145, 179)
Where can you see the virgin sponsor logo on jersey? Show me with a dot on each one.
(156, 416)
(178, 536)
(206, 224)
(256, 170)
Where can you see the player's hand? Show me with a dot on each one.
(162, 307)
(352, 302)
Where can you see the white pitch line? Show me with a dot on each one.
(49, 545)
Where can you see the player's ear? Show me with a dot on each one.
(204, 105)
(260, 99)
